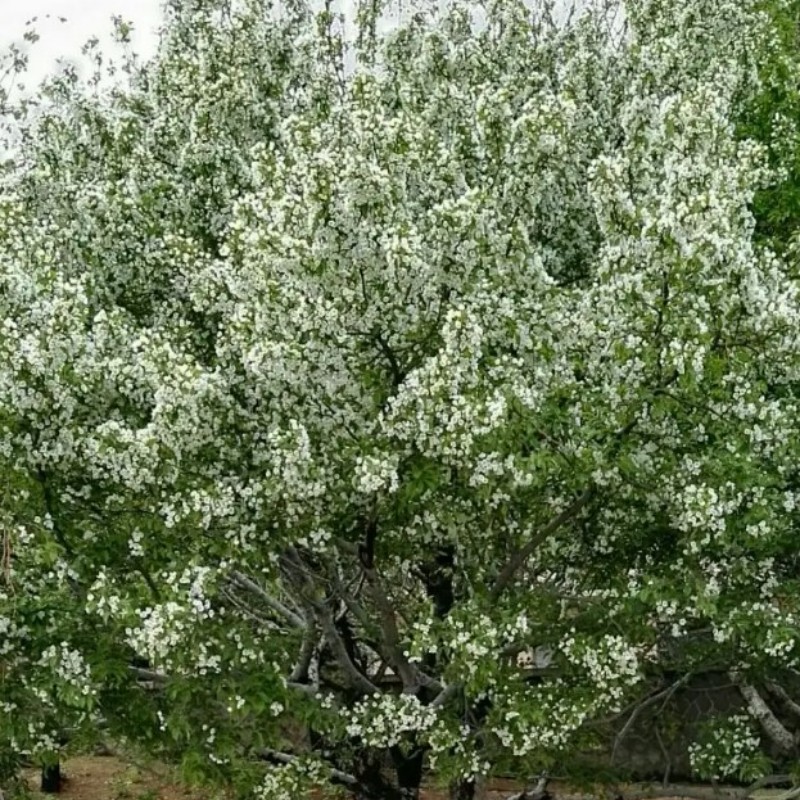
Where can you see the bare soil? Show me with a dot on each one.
(113, 778)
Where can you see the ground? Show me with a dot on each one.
(112, 778)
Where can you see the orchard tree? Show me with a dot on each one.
(415, 406)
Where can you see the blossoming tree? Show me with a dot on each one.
(426, 414)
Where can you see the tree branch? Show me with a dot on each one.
(758, 707)
(449, 691)
(523, 554)
(357, 679)
(391, 635)
(148, 675)
(243, 581)
(784, 697)
(646, 703)
(287, 758)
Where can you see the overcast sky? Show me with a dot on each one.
(87, 18)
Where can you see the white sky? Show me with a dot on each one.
(87, 18)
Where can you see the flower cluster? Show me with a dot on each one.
(385, 720)
(730, 749)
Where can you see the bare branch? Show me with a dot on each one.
(449, 691)
(357, 679)
(392, 650)
(148, 675)
(247, 611)
(310, 689)
(310, 645)
(391, 635)
(645, 791)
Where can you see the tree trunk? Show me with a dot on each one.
(51, 778)
(409, 772)
(373, 783)
(462, 790)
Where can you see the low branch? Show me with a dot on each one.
(391, 635)
(336, 775)
(651, 791)
(446, 694)
(148, 675)
(311, 689)
(310, 644)
(391, 650)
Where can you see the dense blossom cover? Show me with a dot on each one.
(442, 408)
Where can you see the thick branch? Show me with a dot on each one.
(149, 675)
(444, 696)
(391, 649)
(307, 650)
(784, 697)
(391, 636)
(312, 690)
(758, 707)
(358, 680)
